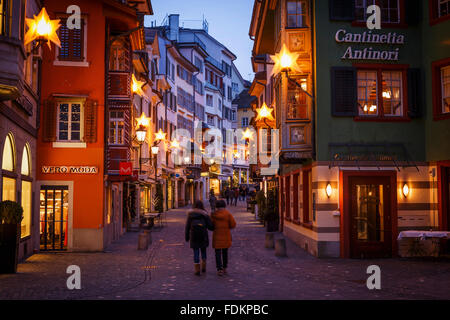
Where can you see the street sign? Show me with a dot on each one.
(126, 168)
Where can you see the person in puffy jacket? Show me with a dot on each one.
(223, 222)
(196, 233)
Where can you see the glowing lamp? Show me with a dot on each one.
(174, 144)
(143, 121)
(155, 150)
(329, 190)
(405, 190)
(285, 61)
(247, 135)
(42, 29)
(264, 113)
(141, 133)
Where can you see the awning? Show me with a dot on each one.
(377, 154)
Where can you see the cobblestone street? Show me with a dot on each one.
(165, 271)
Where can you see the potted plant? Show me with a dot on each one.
(11, 215)
(261, 201)
(271, 217)
(159, 205)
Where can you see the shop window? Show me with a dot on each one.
(9, 189)
(370, 103)
(296, 14)
(116, 127)
(73, 45)
(441, 89)
(443, 8)
(70, 122)
(26, 192)
(297, 107)
(307, 197)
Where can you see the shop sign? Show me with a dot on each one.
(69, 170)
(126, 168)
(369, 38)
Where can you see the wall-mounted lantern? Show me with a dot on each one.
(329, 190)
(405, 190)
(41, 29)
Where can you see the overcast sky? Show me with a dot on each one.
(229, 22)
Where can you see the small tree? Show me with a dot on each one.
(261, 202)
(271, 215)
(10, 212)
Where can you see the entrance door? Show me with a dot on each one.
(54, 217)
(370, 219)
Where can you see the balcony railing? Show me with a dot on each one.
(119, 85)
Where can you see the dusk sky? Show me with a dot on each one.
(229, 22)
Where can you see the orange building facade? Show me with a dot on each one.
(79, 211)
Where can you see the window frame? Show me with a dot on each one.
(380, 68)
(306, 23)
(6, 18)
(437, 66)
(402, 17)
(74, 63)
(116, 121)
(70, 103)
(433, 9)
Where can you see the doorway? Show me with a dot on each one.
(369, 220)
(54, 214)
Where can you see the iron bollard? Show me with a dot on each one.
(143, 241)
(280, 248)
(270, 243)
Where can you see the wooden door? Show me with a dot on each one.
(370, 217)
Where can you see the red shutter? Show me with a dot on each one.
(49, 121)
(90, 121)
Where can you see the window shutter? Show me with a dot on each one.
(414, 94)
(343, 92)
(49, 119)
(90, 121)
(413, 11)
(342, 10)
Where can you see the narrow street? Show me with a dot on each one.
(165, 271)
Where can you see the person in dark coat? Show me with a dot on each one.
(236, 196)
(227, 195)
(196, 233)
(212, 201)
(223, 223)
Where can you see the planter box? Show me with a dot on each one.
(411, 247)
(9, 247)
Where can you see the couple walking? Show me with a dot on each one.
(197, 225)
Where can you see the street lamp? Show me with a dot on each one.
(41, 29)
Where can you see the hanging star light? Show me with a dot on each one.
(160, 135)
(285, 61)
(143, 121)
(42, 29)
(174, 144)
(136, 86)
(247, 135)
(264, 113)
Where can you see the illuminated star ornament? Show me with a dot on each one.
(160, 135)
(42, 29)
(174, 144)
(285, 61)
(136, 86)
(265, 113)
(143, 121)
(247, 134)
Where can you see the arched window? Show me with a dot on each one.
(26, 161)
(8, 165)
(8, 162)
(26, 191)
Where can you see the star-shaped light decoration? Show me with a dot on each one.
(285, 61)
(247, 134)
(264, 113)
(160, 135)
(143, 121)
(174, 144)
(42, 29)
(136, 86)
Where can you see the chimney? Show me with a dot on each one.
(174, 27)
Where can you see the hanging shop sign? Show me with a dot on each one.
(126, 168)
(69, 170)
(369, 38)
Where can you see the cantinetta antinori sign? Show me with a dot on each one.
(368, 53)
(69, 169)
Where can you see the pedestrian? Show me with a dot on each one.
(196, 233)
(227, 195)
(236, 196)
(212, 200)
(231, 196)
(223, 222)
